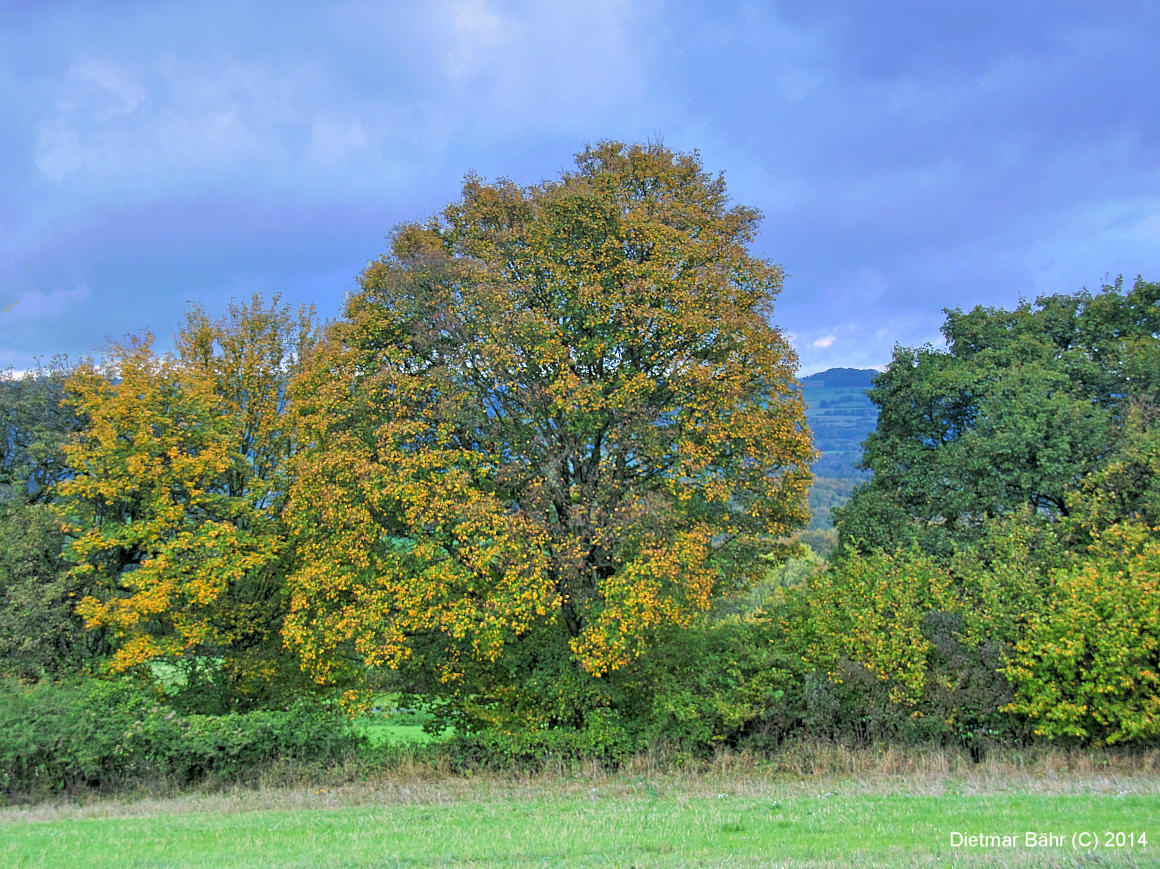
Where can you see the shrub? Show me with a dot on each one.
(603, 739)
(1088, 667)
(898, 646)
(712, 685)
(110, 735)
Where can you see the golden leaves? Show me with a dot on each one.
(1087, 663)
(552, 409)
(174, 502)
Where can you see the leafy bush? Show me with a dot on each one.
(603, 739)
(901, 646)
(62, 738)
(1088, 666)
(105, 735)
(868, 613)
(714, 684)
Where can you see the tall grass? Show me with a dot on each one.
(427, 774)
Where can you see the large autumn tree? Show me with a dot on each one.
(557, 415)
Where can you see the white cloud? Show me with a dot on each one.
(543, 63)
(92, 95)
(856, 343)
(128, 126)
(170, 116)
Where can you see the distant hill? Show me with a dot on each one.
(840, 416)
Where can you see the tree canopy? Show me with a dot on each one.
(555, 414)
(34, 424)
(40, 633)
(1018, 410)
(175, 497)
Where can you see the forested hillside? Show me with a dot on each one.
(840, 416)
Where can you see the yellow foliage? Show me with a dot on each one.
(559, 408)
(174, 504)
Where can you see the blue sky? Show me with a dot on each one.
(907, 156)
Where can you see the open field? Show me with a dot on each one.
(387, 724)
(725, 815)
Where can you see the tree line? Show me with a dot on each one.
(533, 475)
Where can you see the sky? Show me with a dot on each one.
(907, 156)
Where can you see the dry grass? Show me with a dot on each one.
(801, 770)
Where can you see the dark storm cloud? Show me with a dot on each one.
(907, 156)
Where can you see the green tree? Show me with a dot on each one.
(1126, 489)
(554, 420)
(34, 423)
(1019, 409)
(40, 633)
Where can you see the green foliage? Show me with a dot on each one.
(719, 683)
(768, 592)
(1024, 459)
(41, 634)
(34, 423)
(1014, 635)
(1088, 664)
(870, 612)
(822, 542)
(827, 494)
(901, 645)
(1020, 408)
(1005, 577)
(534, 478)
(1126, 489)
(62, 738)
(105, 735)
(602, 738)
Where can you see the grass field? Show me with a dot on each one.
(725, 816)
(387, 724)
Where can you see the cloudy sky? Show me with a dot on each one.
(907, 156)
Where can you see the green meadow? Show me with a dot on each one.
(386, 723)
(723, 817)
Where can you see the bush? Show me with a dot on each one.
(603, 739)
(900, 647)
(712, 685)
(1088, 666)
(111, 735)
